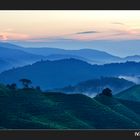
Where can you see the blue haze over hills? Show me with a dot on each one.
(121, 48)
(52, 68)
(67, 89)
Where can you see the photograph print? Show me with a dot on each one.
(68, 69)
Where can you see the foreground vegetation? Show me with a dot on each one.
(31, 108)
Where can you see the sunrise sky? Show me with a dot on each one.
(76, 25)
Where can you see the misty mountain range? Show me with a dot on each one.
(89, 55)
(62, 77)
(11, 57)
(120, 48)
(56, 68)
(60, 73)
(14, 56)
(95, 86)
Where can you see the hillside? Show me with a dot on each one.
(33, 109)
(50, 74)
(121, 107)
(61, 73)
(67, 56)
(15, 57)
(89, 55)
(9, 45)
(4, 65)
(132, 93)
(94, 86)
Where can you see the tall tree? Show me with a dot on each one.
(107, 92)
(25, 82)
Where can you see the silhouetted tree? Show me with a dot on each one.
(25, 82)
(13, 86)
(107, 92)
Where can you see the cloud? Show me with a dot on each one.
(87, 32)
(130, 32)
(118, 23)
(3, 37)
(13, 36)
(111, 34)
(133, 79)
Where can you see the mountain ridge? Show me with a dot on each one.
(92, 56)
(60, 73)
(93, 87)
(16, 57)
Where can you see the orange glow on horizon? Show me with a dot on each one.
(78, 25)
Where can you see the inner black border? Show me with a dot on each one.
(69, 135)
(69, 5)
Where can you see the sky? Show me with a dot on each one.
(69, 26)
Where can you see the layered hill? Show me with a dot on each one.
(12, 57)
(95, 86)
(92, 56)
(61, 73)
(33, 109)
(132, 94)
(89, 55)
